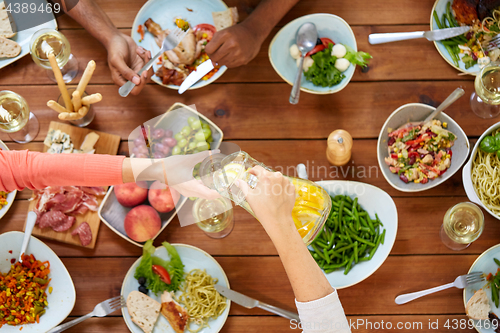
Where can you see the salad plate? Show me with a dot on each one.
(484, 263)
(163, 12)
(192, 258)
(328, 26)
(415, 112)
(440, 8)
(374, 201)
(62, 299)
(12, 195)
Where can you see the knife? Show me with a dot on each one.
(438, 34)
(251, 303)
(196, 75)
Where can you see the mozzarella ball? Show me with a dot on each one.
(294, 51)
(339, 50)
(308, 62)
(342, 64)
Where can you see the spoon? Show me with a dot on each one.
(459, 92)
(30, 223)
(306, 38)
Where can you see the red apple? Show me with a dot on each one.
(131, 194)
(142, 223)
(162, 197)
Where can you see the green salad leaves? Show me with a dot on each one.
(175, 268)
(323, 72)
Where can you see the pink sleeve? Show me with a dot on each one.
(20, 169)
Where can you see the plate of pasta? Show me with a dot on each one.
(6, 198)
(481, 174)
(206, 309)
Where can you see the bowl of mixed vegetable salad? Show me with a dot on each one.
(6, 198)
(467, 53)
(418, 157)
(329, 67)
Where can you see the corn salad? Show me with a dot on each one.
(22, 292)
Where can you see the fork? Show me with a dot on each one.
(170, 42)
(494, 43)
(101, 310)
(460, 282)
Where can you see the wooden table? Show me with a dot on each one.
(253, 111)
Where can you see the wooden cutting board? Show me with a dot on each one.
(107, 144)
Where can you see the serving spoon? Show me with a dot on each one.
(459, 92)
(30, 223)
(306, 38)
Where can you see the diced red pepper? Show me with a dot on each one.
(489, 277)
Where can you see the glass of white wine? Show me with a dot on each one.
(214, 217)
(462, 224)
(485, 101)
(16, 119)
(46, 41)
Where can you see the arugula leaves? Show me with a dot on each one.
(323, 72)
(175, 268)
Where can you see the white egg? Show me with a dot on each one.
(339, 50)
(342, 64)
(294, 51)
(308, 62)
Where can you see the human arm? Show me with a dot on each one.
(238, 45)
(125, 58)
(272, 202)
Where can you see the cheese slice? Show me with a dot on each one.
(89, 142)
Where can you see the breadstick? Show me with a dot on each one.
(77, 100)
(60, 82)
(56, 106)
(94, 98)
(83, 111)
(86, 77)
(70, 116)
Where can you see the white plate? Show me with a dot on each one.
(12, 195)
(484, 263)
(23, 39)
(163, 12)
(61, 300)
(192, 258)
(372, 200)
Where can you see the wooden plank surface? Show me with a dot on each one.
(106, 144)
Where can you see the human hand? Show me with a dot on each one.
(125, 59)
(272, 200)
(234, 46)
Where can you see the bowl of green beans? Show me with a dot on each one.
(358, 234)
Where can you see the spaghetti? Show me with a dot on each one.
(200, 298)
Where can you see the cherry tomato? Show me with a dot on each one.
(205, 28)
(326, 41)
(320, 47)
(162, 273)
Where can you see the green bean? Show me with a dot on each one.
(436, 19)
(356, 252)
(348, 212)
(494, 294)
(349, 199)
(372, 252)
(497, 261)
(327, 257)
(356, 237)
(383, 238)
(443, 21)
(343, 248)
(452, 54)
(349, 265)
(318, 251)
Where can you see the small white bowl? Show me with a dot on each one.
(466, 173)
(61, 300)
(414, 112)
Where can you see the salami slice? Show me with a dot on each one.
(84, 232)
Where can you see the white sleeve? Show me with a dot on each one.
(324, 315)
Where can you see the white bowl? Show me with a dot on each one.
(414, 112)
(374, 201)
(61, 300)
(12, 195)
(466, 173)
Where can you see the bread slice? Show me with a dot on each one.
(143, 310)
(7, 25)
(478, 306)
(176, 315)
(225, 19)
(9, 48)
